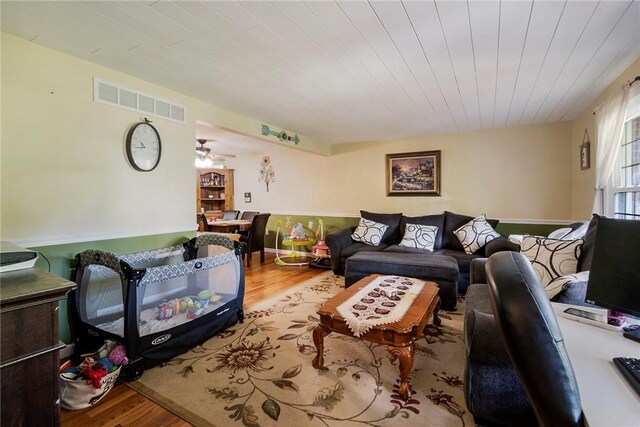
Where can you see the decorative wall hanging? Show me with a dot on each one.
(282, 135)
(585, 152)
(413, 174)
(267, 173)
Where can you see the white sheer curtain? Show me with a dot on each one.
(609, 121)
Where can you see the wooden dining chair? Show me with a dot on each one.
(202, 219)
(230, 215)
(248, 215)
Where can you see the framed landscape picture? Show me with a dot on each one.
(413, 174)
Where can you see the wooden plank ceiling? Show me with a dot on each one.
(355, 70)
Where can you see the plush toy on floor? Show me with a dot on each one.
(118, 356)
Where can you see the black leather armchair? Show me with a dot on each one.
(254, 239)
(533, 340)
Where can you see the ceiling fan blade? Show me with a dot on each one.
(203, 151)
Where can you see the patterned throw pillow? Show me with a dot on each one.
(475, 234)
(369, 232)
(551, 258)
(419, 236)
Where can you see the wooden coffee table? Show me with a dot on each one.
(398, 336)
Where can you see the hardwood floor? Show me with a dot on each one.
(125, 407)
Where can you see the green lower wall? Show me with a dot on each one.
(332, 224)
(62, 259)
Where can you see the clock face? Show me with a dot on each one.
(143, 147)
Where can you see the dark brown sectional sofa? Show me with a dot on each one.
(342, 246)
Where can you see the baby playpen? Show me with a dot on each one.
(157, 303)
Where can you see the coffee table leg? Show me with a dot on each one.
(405, 356)
(436, 319)
(318, 339)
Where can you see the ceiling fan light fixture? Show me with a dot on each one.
(203, 163)
(202, 151)
(206, 159)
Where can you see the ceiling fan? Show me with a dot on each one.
(203, 152)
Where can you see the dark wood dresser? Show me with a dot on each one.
(29, 347)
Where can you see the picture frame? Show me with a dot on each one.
(247, 197)
(413, 174)
(585, 155)
(585, 151)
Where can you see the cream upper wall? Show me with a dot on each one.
(584, 180)
(515, 173)
(65, 176)
(64, 173)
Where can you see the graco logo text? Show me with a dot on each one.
(161, 339)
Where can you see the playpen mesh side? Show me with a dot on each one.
(215, 240)
(104, 283)
(198, 287)
(167, 295)
(101, 287)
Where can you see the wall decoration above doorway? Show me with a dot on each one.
(413, 174)
(282, 135)
(267, 174)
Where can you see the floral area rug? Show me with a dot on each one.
(259, 373)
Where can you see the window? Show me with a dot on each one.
(627, 189)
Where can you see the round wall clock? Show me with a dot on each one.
(143, 146)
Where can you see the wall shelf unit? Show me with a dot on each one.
(214, 191)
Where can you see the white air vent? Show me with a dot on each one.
(131, 99)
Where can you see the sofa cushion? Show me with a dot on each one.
(551, 258)
(369, 232)
(562, 283)
(478, 298)
(405, 250)
(392, 234)
(475, 234)
(360, 247)
(453, 221)
(419, 236)
(434, 220)
(426, 267)
(575, 293)
(464, 259)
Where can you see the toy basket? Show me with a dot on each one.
(79, 393)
